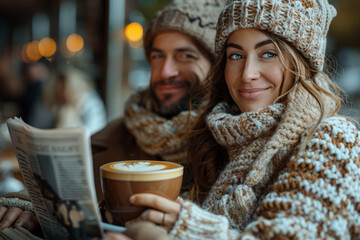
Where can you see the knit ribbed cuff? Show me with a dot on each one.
(196, 223)
(23, 194)
(16, 202)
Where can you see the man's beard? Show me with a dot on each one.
(169, 111)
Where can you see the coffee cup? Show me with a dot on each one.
(120, 180)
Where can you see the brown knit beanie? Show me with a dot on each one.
(303, 23)
(196, 18)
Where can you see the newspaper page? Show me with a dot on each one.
(57, 170)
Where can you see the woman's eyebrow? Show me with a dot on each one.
(233, 45)
(260, 44)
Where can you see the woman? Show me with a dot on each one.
(270, 157)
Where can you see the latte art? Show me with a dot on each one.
(138, 166)
(141, 170)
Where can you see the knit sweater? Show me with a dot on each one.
(274, 189)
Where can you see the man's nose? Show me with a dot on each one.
(169, 68)
(251, 70)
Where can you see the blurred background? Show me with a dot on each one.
(75, 62)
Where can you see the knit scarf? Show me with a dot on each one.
(258, 144)
(157, 135)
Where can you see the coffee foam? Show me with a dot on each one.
(141, 170)
(138, 166)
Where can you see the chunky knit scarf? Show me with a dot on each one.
(157, 135)
(259, 144)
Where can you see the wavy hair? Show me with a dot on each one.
(206, 157)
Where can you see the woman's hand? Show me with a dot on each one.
(163, 212)
(16, 217)
(139, 231)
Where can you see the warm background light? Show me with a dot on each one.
(47, 47)
(136, 44)
(24, 56)
(134, 32)
(75, 42)
(32, 51)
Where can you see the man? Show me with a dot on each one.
(179, 46)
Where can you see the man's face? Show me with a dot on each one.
(177, 68)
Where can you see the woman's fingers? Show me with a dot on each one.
(179, 200)
(153, 216)
(155, 202)
(163, 211)
(146, 231)
(165, 220)
(10, 217)
(116, 236)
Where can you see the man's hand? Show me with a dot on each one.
(15, 217)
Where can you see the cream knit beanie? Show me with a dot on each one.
(197, 18)
(303, 23)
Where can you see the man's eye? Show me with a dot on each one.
(156, 56)
(186, 56)
(235, 56)
(270, 55)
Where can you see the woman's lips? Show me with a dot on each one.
(252, 93)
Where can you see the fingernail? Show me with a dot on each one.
(132, 199)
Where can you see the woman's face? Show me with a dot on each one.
(254, 73)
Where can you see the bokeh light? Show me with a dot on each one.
(24, 56)
(32, 51)
(47, 47)
(134, 32)
(75, 42)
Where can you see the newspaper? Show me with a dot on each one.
(56, 165)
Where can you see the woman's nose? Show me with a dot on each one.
(251, 70)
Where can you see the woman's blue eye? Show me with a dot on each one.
(270, 54)
(235, 56)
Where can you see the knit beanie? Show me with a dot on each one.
(303, 23)
(196, 18)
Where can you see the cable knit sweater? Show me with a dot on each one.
(274, 189)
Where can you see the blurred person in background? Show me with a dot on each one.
(179, 45)
(59, 98)
(11, 88)
(34, 76)
(11, 91)
(73, 101)
(8, 183)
